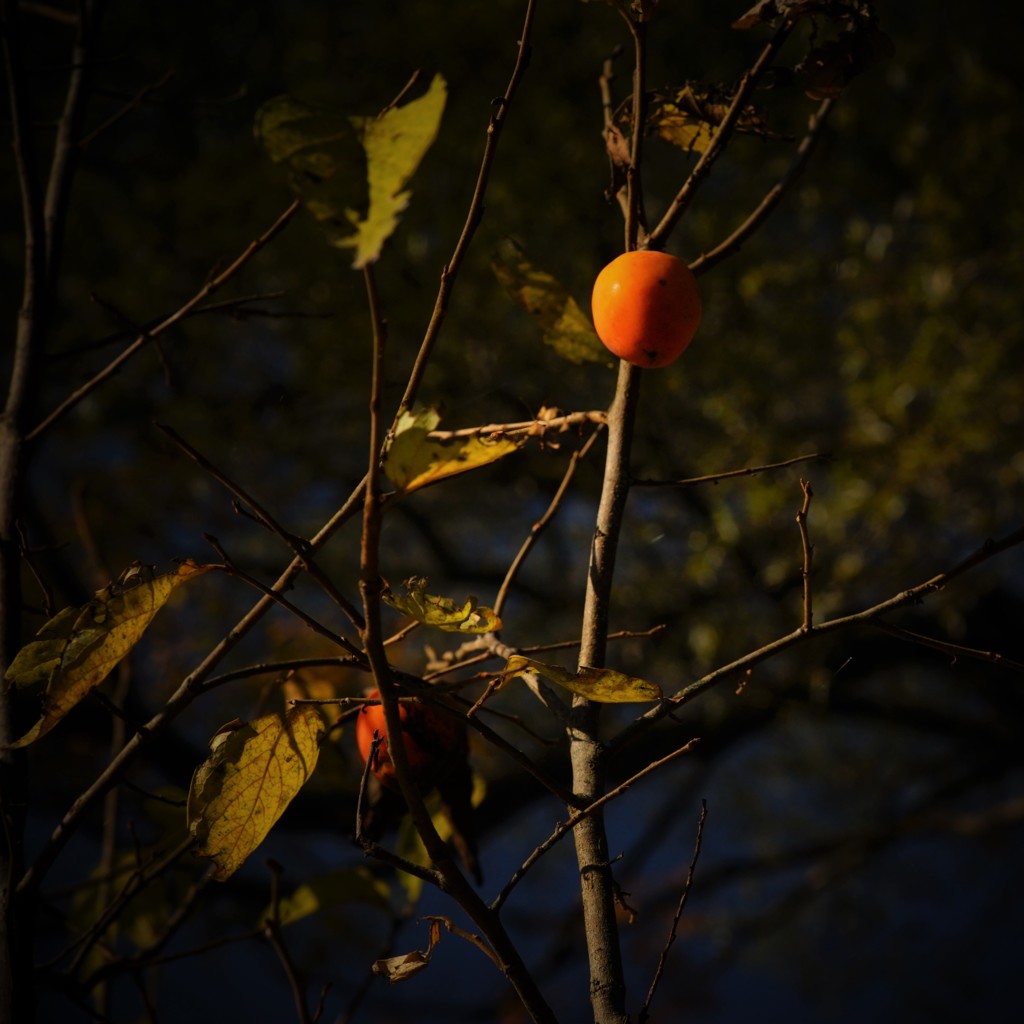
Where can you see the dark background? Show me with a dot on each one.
(865, 800)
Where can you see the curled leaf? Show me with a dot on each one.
(441, 612)
(603, 685)
(244, 786)
(77, 649)
(399, 968)
(413, 459)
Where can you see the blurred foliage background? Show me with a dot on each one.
(865, 794)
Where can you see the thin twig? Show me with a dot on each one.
(808, 554)
(866, 617)
(133, 104)
(954, 650)
(280, 667)
(499, 114)
(208, 289)
(803, 153)
(273, 933)
(540, 427)
(238, 308)
(674, 929)
(720, 137)
(612, 135)
(714, 478)
(636, 217)
(542, 524)
(583, 815)
(298, 545)
(275, 595)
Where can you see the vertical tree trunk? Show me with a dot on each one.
(597, 885)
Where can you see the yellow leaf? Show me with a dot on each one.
(414, 459)
(441, 612)
(564, 326)
(351, 172)
(395, 144)
(244, 786)
(603, 685)
(77, 649)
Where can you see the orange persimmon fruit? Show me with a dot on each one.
(646, 307)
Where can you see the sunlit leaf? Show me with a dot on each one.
(564, 326)
(603, 685)
(441, 612)
(395, 144)
(77, 649)
(414, 459)
(352, 172)
(244, 786)
(333, 889)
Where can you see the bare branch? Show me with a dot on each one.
(542, 524)
(208, 289)
(583, 815)
(760, 214)
(298, 545)
(721, 136)
(865, 617)
(808, 552)
(475, 213)
(274, 935)
(713, 478)
(674, 929)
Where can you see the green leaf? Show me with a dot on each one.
(441, 612)
(326, 163)
(564, 326)
(243, 787)
(603, 685)
(77, 649)
(413, 459)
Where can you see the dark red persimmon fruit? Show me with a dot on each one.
(432, 739)
(646, 307)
